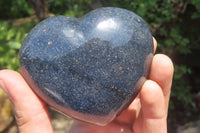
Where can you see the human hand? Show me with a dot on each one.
(146, 114)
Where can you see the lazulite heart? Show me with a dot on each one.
(90, 68)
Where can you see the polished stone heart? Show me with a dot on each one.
(90, 68)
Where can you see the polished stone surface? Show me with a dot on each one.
(89, 68)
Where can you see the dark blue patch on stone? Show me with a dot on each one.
(89, 68)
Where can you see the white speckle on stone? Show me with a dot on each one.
(69, 33)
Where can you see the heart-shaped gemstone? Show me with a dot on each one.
(90, 68)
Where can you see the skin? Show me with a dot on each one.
(146, 114)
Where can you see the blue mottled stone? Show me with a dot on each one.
(90, 68)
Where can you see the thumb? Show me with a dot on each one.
(30, 112)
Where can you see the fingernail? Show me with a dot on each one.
(3, 86)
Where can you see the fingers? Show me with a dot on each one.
(31, 113)
(162, 72)
(155, 97)
(152, 100)
(155, 44)
(152, 118)
(131, 113)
